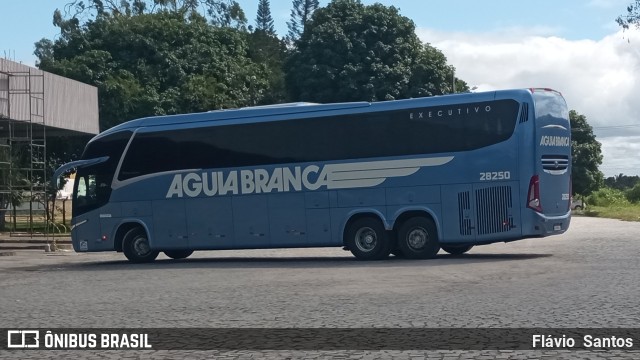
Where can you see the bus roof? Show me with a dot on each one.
(231, 114)
(259, 113)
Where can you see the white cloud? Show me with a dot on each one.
(608, 4)
(600, 79)
(621, 154)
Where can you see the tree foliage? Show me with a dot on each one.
(270, 52)
(264, 20)
(633, 194)
(219, 12)
(607, 197)
(587, 156)
(352, 52)
(622, 182)
(159, 62)
(632, 18)
(15, 182)
(301, 13)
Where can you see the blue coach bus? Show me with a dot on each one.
(408, 177)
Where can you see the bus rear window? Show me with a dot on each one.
(550, 105)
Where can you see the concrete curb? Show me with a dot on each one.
(35, 241)
(43, 247)
(27, 247)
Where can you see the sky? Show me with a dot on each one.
(573, 46)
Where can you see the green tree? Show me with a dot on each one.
(587, 156)
(632, 18)
(220, 12)
(14, 183)
(300, 14)
(155, 63)
(633, 194)
(270, 53)
(264, 20)
(227, 14)
(353, 52)
(621, 181)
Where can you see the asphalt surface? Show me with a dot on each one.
(586, 278)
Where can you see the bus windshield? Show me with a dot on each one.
(92, 187)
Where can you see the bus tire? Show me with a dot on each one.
(135, 246)
(367, 239)
(178, 254)
(456, 249)
(418, 238)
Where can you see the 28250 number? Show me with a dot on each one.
(495, 175)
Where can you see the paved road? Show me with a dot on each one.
(587, 277)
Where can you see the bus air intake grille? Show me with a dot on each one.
(555, 164)
(493, 208)
(524, 113)
(464, 205)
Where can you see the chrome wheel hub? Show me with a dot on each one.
(366, 239)
(417, 238)
(141, 246)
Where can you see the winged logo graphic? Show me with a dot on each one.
(372, 173)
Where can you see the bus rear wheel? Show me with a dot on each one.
(418, 238)
(456, 249)
(367, 239)
(135, 246)
(178, 254)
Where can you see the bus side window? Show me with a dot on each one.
(103, 190)
(91, 187)
(81, 196)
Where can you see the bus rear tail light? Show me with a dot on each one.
(533, 197)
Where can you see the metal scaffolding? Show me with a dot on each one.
(23, 152)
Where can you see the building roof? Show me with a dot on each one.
(65, 107)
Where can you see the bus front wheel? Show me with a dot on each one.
(418, 238)
(135, 246)
(367, 239)
(178, 254)
(457, 249)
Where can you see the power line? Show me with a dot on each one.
(612, 127)
(616, 126)
(619, 167)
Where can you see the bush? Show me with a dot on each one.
(633, 194)
(607, 197)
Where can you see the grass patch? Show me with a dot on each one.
(626, 212)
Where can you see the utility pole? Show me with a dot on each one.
(454, 80)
